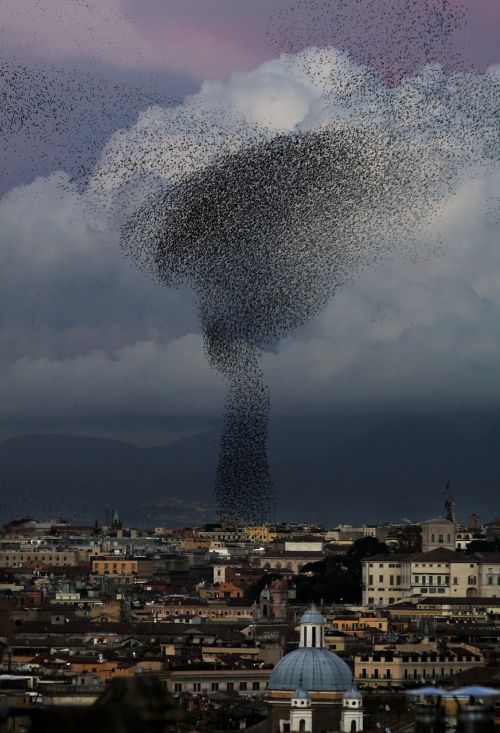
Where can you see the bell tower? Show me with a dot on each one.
(301, 712)
(351, 720)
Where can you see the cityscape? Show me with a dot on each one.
(280, 628)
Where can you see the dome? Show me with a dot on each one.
(312, 616)
(353, 694)
(313, 669)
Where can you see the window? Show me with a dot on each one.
(455, 581)
(243, 686)
(441, 538)
(391, 580)
(388, 674)
(178, 687)
(215, 686)
(363, 673)
(370, 580)
(472, 580)
(375, 673)
(256, 685)
(490, 580)
(230, 686)
(380, 578)
(416, 579)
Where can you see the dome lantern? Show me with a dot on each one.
(312, 629)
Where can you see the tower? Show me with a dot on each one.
(351, 720)
(279, 593)
(265, 606)
(115, 522)
(300, 712)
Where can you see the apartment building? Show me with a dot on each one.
(251, 681)
(121, 565)
(38, 559)
(439, 572)
(403, 667)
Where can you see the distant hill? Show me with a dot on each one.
(332, 469)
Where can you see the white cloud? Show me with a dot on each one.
(83, 333)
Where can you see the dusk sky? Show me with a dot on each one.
(90, 345)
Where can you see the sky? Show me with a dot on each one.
(88, 344)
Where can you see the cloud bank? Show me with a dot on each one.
(85, 336)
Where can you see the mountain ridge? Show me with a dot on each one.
(338, 469)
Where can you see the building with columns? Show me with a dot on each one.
(311, 680)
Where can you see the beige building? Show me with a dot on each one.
(121, 565)
(38, 559)
(442, 572)
(358, 625)
(438, 533)
(252, 681)
(403, 667)
(210, 611)
(290, 561)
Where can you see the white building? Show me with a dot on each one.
(437, 573)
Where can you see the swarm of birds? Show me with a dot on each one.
(54, 117)
(265, 226)
(393, 36)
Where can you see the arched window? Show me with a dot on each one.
(353, 726)
(302, 725)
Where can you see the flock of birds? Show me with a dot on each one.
(265, 227)
(393, 37)
(58, 118)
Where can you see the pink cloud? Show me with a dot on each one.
(193, 37)
(105, 32)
